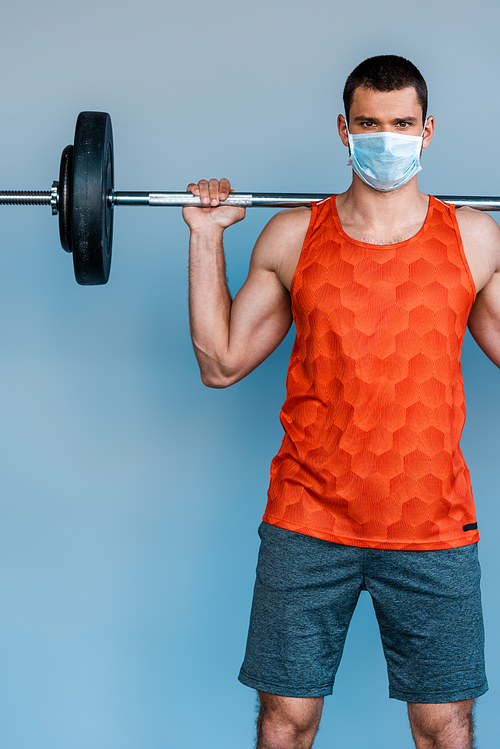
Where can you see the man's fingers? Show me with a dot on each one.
(210, 192)
(225, 188)
(213, 191)
(203, 187)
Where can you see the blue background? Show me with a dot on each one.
(130, 494)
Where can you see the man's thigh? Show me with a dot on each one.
(428, 606)
(305, 594)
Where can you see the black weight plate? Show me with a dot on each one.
(65, 198)
(92, 214)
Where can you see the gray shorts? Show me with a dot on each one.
(427, 603)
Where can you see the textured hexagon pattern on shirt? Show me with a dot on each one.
(375, 400)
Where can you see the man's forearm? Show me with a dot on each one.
(209, 304)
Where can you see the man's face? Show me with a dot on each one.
(386, 111)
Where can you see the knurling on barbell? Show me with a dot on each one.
(84, 198)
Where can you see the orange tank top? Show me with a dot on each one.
(375, 402)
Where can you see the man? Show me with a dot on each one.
(369, 489)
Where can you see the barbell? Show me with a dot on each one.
(84, 198)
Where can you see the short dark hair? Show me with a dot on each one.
(386, 73)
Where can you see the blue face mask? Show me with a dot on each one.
(385, 161)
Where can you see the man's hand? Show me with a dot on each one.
(213, 215)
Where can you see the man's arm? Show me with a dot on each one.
(484, 319)
(232, 337)
(481, 239)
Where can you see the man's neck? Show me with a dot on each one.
(382, 217)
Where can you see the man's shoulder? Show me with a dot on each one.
(291, 218)
(480, 235)
(471, 219)
(480, 232)
(289, 225)
(279, 246)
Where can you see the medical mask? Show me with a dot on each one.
(385, 161)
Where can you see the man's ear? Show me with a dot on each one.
(343, 130)
(428, 131)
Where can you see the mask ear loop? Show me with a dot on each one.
(348, 136)
(422, 136)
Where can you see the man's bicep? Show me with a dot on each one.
(484, 319)
(261, 312)
(260, 318)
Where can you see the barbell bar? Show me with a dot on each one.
(84, 198)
